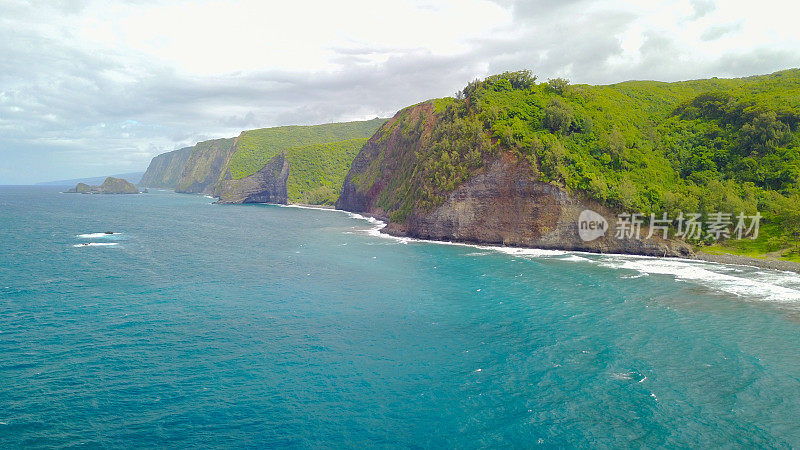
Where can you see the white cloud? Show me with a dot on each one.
(94, 87)
(220, 37)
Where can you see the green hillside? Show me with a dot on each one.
(255, 148)
(727, 145)
(316, 172)
(204, 165)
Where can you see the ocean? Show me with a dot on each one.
(202, 325)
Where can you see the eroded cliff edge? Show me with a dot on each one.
(166, 169)
(241, 169)
(268, 185)
(205, 166)
(502, 202)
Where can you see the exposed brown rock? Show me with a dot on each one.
(205, 166)
(503, 203)
(268, 185)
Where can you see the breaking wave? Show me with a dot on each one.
(741, 281)
(97, 235)
(96, 244)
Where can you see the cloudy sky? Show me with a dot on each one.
(90, 88)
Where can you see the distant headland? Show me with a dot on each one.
(110, 186)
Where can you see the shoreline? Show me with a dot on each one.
(724, 258)
(310, 206)
(739, 260)
(721, 258)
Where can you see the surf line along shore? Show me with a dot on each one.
(380, 229)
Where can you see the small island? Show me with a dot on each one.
(110, 186)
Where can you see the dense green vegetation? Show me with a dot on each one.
(718, 145)
(255, 148)
(197, 172)
(316, 172)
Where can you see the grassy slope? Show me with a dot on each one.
(316, 172)
(256, 147)
(636, 146)
(199, 163)
(760, 247)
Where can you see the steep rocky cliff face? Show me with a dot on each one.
(205, 166)
(195, 169)
(505, 204)
(502, 202)
(166, 169)
(381, 175)
(319, 157)
(268, 185)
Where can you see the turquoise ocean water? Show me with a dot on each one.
(264, 326)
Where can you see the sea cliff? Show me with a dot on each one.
(268, 185)
(205, 166)
(513, 162)
(314, 160)
(165, 169)
(501, 203)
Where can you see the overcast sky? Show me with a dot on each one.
(91, 88)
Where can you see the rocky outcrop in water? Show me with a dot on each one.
(268, 185)
(110, 186)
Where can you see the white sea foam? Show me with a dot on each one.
(785, 279)
(630, 375)
(526, 252)
(574, 258)
(378, 225)
(478, 254)
(742, 281)
(96, 244)
(319, 208)
(370, 219)
(632, 277)
(97, 235)
(775, 287)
